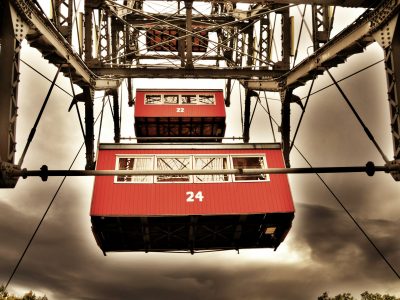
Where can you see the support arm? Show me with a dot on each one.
(9, 77)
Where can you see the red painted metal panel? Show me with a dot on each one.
(160, 199)
(169, 39)
(179, 110)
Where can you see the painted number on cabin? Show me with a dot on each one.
(192, 197)
(180, 109)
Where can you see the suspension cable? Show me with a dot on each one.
(44, 215)
(317, 91)
(346, 77)
(48, 79)
(33, 130)
(254, 111)
(269, 114)
(367, 131)
(76, 104)
(300, 32)
(241, 107)
(381, 254)
(101, 117)
(302, 115)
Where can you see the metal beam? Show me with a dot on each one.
(286, 97)
(44, 173)
(247, 107)
(117, 129)
(347, 3)
(391, 46)
(188, 41)
(9, 78)
(159, 72)
(284, 64)
(228, 92)
(52, 39)
(321, 25)
(63, 18)
(88, 96)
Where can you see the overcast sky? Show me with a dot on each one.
(324, 251)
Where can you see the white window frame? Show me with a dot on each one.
(262, 155)
(197, 94)
(154, 94)
(192, 161)
(211, 156)
(118, 156)
(157, 156)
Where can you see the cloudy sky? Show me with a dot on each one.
(323, 252)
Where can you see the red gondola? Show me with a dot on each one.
(190, 212)
(179, 113)
(167, 39)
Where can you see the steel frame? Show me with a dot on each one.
(392, 68)
(240, 46)
(9, 78)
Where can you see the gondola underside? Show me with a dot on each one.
(196, 233)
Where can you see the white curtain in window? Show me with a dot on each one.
(142, 164)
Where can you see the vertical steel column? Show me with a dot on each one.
(250, 45)
(321, 24)
(189, 38)
(63, 18)
(131, 44)
(392, 67)
(228, 91)
(104, 51)
(284, 64)
(265, 42)
(114, 41)
(247, 107)
(88, 96)
(239, 45)
(286, 96)
(117, 130)
(9, 77)
(88, 39)
(131, 100)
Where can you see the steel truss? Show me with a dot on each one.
(244, 40)
(9, 76)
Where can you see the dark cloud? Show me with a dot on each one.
(337, 243)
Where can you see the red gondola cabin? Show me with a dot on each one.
(167, 39)
(190, 212)
(179, 114)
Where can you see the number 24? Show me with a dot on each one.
(191, 196)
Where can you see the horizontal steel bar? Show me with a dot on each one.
(190, 146)
(369, 168)
(348, 3)
(169, 72)
(168, 138)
